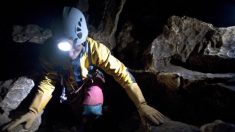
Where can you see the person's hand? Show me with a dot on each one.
(28, 118)
(150, 116)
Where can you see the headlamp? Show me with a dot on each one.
(68, 44)
(64, 45)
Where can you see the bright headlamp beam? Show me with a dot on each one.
(64, 46)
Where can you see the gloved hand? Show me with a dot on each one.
(28, 118)
(147, 113)
(150, 116)
(40, 100)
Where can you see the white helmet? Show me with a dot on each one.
(75, 24)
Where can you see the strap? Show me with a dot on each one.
(87, 49)
(89, 54)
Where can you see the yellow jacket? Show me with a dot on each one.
(100, 57)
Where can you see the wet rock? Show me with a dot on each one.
(218, 126)
(174, 126)
(30, 33)
(13, 92)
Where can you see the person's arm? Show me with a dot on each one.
(42, 97)
(102, 57)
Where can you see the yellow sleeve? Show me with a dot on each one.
(43, 95)
(102, 57)
(50, 59)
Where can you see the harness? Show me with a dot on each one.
(93, 72)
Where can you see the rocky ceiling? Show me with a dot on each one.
(181, 53)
